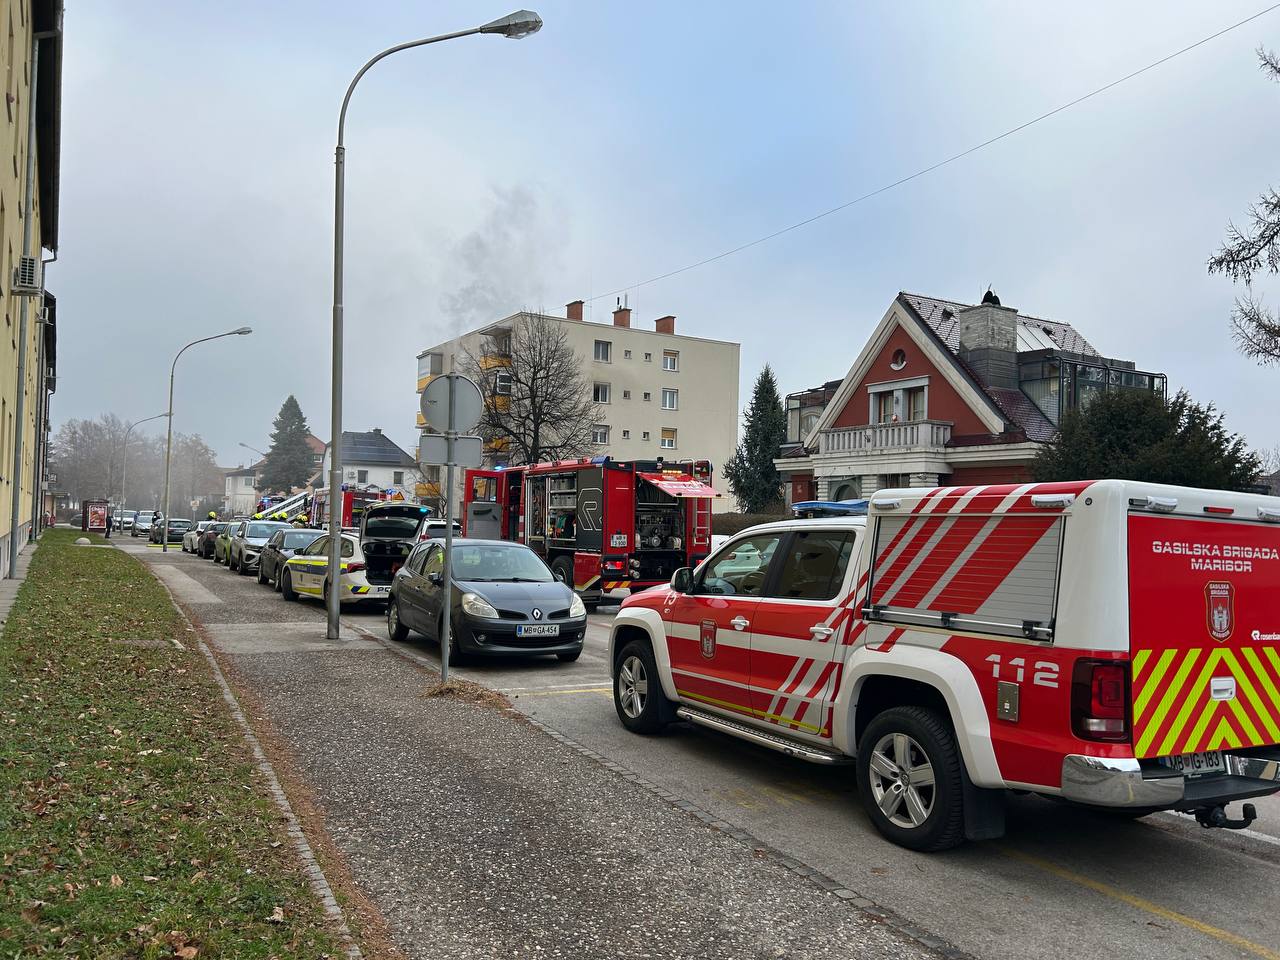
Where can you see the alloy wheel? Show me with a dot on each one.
(633, 687)
(902, 780)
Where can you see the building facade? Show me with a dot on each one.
(370, 460)
(32, 61)
(655, 393)
(944, 393)
(240, 494)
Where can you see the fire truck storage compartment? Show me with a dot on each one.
(660, 533)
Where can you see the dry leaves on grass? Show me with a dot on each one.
(464, 691)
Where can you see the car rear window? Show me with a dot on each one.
(296, 541)
(261, 529)
(390, 526)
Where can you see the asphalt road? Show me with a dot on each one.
(1062, 883)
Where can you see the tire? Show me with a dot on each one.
(286, 586)
(637, 692)
(240, 568)
(396, 630)
(916, 815)
(562, 570)
(569, 656)
(262, 578)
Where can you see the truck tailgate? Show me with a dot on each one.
(1204, 633)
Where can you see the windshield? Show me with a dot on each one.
(261, 531)
(497, 561)
(296, 541)
(179, 523)
(383, 526)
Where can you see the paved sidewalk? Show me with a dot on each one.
(10, 586)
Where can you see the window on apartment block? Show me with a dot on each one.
(626, 354)
(670, 399)
(671, 360)
(362, 476)
(648, 358)
(626, 434)
(600, 392)
(645, 435)
(604, 351)
(502, 384)
(600, 434)
(626, 394)
(248, 482)
(397, 477)
(915, 403)
(668, 441)
(648, 396)
(884, 407)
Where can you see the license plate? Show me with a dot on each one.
(538, 630)
(1196, 764)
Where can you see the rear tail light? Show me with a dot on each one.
(615, 565)
(355, 566)
(1100, 700)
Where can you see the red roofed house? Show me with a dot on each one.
(944, 393)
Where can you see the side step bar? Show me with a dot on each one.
(802, 751)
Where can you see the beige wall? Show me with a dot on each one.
(15, 59)
(706, 383)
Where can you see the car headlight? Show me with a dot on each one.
(577, 608)
(477, 606)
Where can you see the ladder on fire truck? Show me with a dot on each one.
(290, 506)
(701, 509)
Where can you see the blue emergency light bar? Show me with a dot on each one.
(807, 509)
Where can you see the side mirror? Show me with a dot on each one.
(436, 578)
(682, 580)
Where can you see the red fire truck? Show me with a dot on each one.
(353, 504)
(600, 524)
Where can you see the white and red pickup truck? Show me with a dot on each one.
(1111, 643)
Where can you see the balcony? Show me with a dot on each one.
(885, 437)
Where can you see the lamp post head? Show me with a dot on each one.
(242, 331)
(515, 25)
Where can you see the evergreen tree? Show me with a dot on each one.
(289, 462)
(752, 477)
(1138, 435)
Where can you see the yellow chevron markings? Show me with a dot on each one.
(1268, 688)
(1151, 683)
(1245, 685)
(1154, 722)
(1223, 735)
(1191, 700)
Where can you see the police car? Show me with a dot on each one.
(306, 574)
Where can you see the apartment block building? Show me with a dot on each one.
(31, 58)
(655, 393)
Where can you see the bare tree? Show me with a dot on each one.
(1253, 249)
(538, 403)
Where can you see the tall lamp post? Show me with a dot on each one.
(168, 442)
(254, 449)
(124, 461)
(522, 23)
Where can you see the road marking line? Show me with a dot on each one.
(556, 686)
(1225, 936)
(555, 693)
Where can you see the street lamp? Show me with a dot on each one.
(124, 461)
(168, 443)
(522, 23)
(254, 449)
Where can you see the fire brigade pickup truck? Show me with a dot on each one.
(600, 524)
(1109, 643)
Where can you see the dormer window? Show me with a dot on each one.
(899, 359)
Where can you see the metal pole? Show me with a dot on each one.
(124, 461)
(20, 403)
(168, 450)
(446, 622)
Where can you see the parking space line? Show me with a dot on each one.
(1115, 893)
(557, 686)
(605, 691)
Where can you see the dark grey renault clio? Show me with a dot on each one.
(505, 602)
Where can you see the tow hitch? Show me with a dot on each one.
(1217, 817)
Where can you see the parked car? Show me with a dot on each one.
(248, 542)
(306, 573)
(506, 602)
(388, 533)
(222, 544)
(127, 518)
(142, 523)
(177, 528)
(283, 545)
(191, 538)
(209, 537)
(432, 528)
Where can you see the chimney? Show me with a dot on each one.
(573, 311)
(377, 431)
(622, 317)
(988, 336)
(665, 325)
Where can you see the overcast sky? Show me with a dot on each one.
(623, 141)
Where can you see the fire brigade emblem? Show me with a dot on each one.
(1219, 601)
(708, 637)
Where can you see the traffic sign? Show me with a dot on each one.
(467, 404)
(433, 450)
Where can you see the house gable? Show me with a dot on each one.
(950, 395)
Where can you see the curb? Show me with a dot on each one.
(825, 883)
(310, 865)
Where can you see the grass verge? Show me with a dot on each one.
(132, 822)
